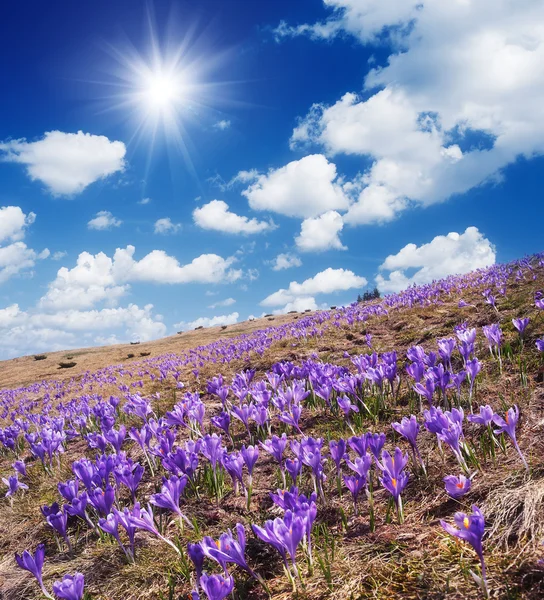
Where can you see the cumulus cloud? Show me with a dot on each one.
(445, 255)
(144, 201)
(66, 163)
(222, 303)
(208, 322)
(285, 261)
(100, 278)
(303, 188)
(58, 255)
(325, 282)
(13, 223)
(321, 233)
(29, 332)
(216, 216)
(16, 257)
(457, 101)
(299, 304)
(104, 220)
(166, 226)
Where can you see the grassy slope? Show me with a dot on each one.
(416, 560)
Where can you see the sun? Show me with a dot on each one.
(168, 86)
(162, 91)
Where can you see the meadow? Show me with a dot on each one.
(390, 448)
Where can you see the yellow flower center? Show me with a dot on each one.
(466, 522)
(394, 482)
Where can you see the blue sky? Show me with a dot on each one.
(303, 150)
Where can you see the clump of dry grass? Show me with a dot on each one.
(515, 508)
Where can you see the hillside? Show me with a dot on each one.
(317, 378)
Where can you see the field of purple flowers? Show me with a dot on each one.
(391, 448)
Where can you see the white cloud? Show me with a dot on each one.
(27, 332)
(99, 278)
(165, 226)
(216, 216)
(299, 304)
(104, 220)
(285, 261)
(321, 233)
(13, 223)
(221, 303)
(66, 162)
(303, 188)
(459, 99)
(58, 255)
(445, 255)
(208, 322)
(222, 125)
(16, 257)
(144, 201)
(325, 282)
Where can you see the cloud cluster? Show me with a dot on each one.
(302, 294)
(166, 226)
(321, 233)
(458, 100)
(285, 261)
(445, 255)
(66, 163)
(15, 256)
(216, 216)
(104, 220)
(208, 322)
(303, 188)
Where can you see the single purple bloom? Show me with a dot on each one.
(20, 467)
(70, 588)
(376, 442)
(508, 426)
(250, 456)
(14, 484)
(520, 325)
(217, 587)
(227, 548)
(408, 428)
(196, 554)
(359, 444)
(222, 421)
(471, 529)
(484, 418)
(457, 486)
(539, 343)
(338, 451)
(33, 563)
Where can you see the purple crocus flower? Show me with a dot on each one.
(508, 426)
(346, 406)
(484, 418)
(376, 442)
(359, 444)
(409, 429)
(217, 587)
(250, 456)
(222, 421)
(34, 564)
(275, 446)
(268, 535)
(289, 531)
(20, 467)
(457, 486)
(69, 489)
(14, 484)
(196, 554)
(228, 549)
(292, 416)
(471, 529)
(70, 588)
(102, 499)
(539, 343)
(354, 484)
(338, 451)
(521, 325)
(293, 467)
(170, 494)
